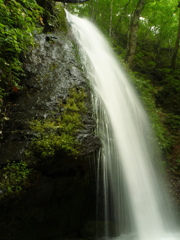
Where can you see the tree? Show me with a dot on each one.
(176, 48)
(133, 30)
(150, 23)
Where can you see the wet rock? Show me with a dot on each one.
(50, 72)
(55, 203)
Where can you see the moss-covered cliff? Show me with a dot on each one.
(48, 144)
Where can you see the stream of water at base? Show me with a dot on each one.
(134, 203)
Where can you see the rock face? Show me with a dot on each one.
(60, 197)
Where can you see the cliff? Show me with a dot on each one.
(48, 145)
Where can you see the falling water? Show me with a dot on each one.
(134, 204)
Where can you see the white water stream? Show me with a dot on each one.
(127, 144)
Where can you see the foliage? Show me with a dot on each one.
(168, 95)
(14, 178)
(59, 134)
(162, 25)
(153, 76)
(156, 115)
(18, 20)
(57, 19)
(158, 23)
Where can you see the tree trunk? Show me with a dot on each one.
(176, 48)
(123, 13)
(133, 30)
(110, 19)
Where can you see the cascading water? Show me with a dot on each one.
(127, 153)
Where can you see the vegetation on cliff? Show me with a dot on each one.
(18, 22)
(54, 137)
(14, 179)
(58, 135)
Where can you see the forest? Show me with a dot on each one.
(144, 34)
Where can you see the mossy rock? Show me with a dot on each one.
(58, 134)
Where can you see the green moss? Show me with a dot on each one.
(18, 20)
(52, 67)
(55, 18)
(61, 22)
(56, 135)
(13, 179)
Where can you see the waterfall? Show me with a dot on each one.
(134, 205)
